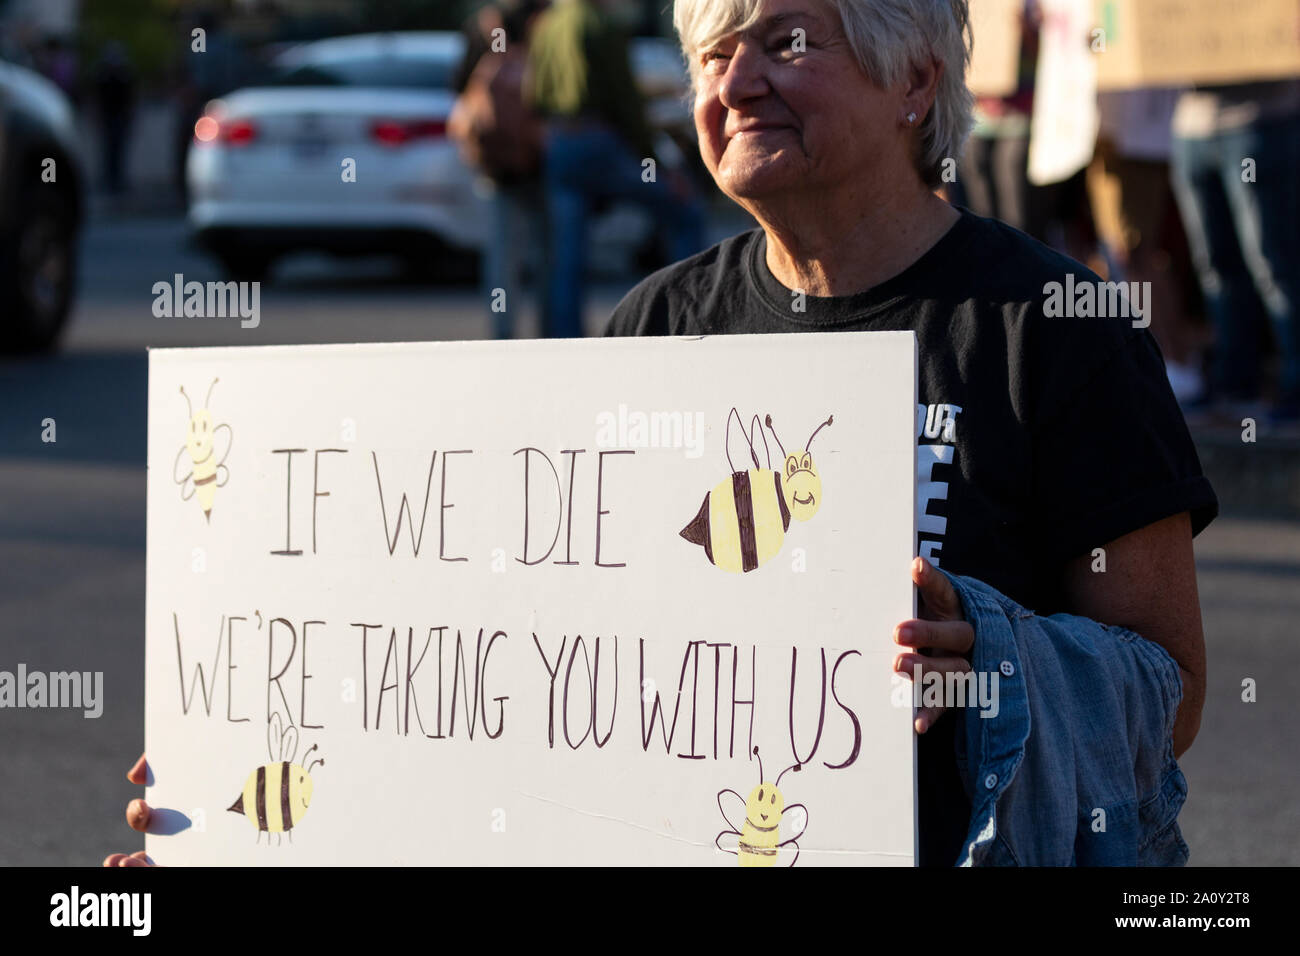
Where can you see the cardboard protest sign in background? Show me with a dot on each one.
(995, 54)
(1177, 42)
(512, 603)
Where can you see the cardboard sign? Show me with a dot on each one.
(1179, 42)
(995, 55)
(532, 602)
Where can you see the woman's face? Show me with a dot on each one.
(784, 108)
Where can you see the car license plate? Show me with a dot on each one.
(310, 141)
(312, 147)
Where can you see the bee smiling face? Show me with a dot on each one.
(198, 436)
(764, 807)
(304, 788)
(801, 486)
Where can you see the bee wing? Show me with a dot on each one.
(757, 426)
(796, 816)
(274, 736)
(289, 744)
(739, 456)
(737, 806)
(728, 841)
(186, 480)
(230, 441)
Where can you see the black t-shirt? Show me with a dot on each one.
(1038, 438)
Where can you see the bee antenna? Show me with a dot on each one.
(760, 764)
(187, 402)
(209, 395)
(774, 435)
(828, 421)
(795, 767)
(318, 760)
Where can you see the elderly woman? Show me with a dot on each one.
(1071, 482)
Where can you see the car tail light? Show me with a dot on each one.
(400, 132)
(232, 132)
(238, 132)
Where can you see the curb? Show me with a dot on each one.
(1252, 479)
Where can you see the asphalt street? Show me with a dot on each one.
(72, 562)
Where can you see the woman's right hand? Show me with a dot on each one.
(137, 816)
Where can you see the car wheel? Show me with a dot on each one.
(38, 271)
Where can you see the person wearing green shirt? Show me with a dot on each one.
(598, 146)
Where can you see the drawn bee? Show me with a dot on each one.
(200, 443)
(758, 840)
(276, 795)
(743, 520)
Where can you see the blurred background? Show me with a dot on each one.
(146, 140)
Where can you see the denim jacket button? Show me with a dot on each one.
(990, 781)
(1007, 668)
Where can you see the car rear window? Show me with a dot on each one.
(407, 72)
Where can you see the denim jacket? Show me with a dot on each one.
(1077, 767)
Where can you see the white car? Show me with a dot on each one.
(345, 150)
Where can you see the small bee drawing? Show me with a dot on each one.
(276, 795)
(758, 840)
(743, 520)
(205, 467)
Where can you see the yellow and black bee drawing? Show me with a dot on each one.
(743, 520)
(758, 841)
(276, 795)
(200, 442)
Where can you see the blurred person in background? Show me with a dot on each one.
(1138, 227)
(598, 147)
(993, 173)
(501, 138)
(219, 66)
(1236, 152)
(57, 62)
(114, 90)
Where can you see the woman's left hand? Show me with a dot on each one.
(942, 630)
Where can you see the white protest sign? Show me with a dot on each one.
(487, 603)
(1063, 132)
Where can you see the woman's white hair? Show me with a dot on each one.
(888, 37)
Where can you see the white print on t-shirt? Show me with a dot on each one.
(933, 421)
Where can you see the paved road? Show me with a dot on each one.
(72, 553)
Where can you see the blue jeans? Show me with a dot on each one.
(585, 165)
(517, 225)
(1245, 244)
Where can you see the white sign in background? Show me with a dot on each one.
(350, 587)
